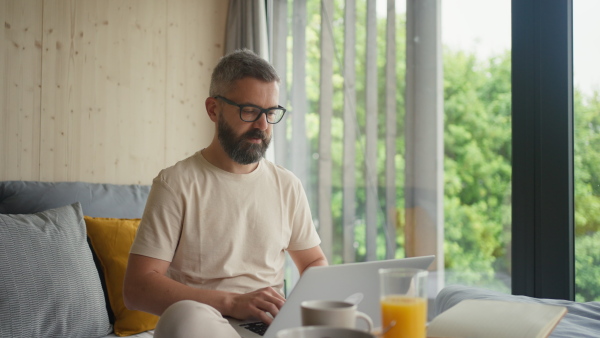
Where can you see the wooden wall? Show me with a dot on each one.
(107, 91)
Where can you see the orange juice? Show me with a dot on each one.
(410, 314)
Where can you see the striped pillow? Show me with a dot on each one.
(49, 286)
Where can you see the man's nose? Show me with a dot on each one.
(261, 123)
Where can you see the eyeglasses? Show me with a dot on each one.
(251, 113)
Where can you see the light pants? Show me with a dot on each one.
(190, 319)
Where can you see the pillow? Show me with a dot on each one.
(100, 200)
(49, 286)
(111, 239)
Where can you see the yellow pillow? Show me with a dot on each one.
(111, 239)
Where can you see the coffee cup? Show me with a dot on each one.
(323, 332)
(332, 313)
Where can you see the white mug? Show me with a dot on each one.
(322, 331)
(332, 313)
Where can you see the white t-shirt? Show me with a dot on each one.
(222, 230)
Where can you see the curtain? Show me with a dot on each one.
(247, 26)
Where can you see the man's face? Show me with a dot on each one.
(246, 142)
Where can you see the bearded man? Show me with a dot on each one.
(216, 226)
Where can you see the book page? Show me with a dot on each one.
(496, 319)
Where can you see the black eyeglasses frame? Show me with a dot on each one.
(262, 110)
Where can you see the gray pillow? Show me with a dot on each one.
(97, 200)
(49, 286)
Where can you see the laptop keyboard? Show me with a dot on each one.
(258, 327)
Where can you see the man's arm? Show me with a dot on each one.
(304, 259)
(146, 288)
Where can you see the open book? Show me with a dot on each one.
(473, 318)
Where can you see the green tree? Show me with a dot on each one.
(587, 195)
(477, 167)
(587, 261)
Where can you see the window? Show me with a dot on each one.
(403, 147)
(477, 137)
(547, 172)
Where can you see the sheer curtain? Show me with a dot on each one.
(247, 27)
(346, 131)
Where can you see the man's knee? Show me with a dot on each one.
(188, 318)
(189, 309)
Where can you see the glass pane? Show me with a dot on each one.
(477, 137)
(372, 212)
(586, 69)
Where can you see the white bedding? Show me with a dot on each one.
(582, 320)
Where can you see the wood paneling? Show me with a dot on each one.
(103, 85)
(195, 42)
(20, 74)
(120, 87)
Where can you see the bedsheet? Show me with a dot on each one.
(582, 319)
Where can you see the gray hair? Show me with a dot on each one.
(240, 64)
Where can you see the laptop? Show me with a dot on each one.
(354, 282)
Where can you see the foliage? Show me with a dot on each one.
(587, 196)
(477, 168)
(587, 163)
(587, 268)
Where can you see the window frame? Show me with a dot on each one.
(542, 181)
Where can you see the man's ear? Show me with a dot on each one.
(211, 108)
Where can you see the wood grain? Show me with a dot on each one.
(92, 90)
(20, 73)
(192, 51)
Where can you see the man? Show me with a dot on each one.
(216, 226)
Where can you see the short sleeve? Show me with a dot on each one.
(160, 228)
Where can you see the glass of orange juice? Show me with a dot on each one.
(403, 302)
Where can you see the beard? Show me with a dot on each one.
(237, 148)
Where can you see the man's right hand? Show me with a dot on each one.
(146, 288)
(257, 304)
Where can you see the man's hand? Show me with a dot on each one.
(256, 304)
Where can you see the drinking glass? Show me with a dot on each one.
(403, 302)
